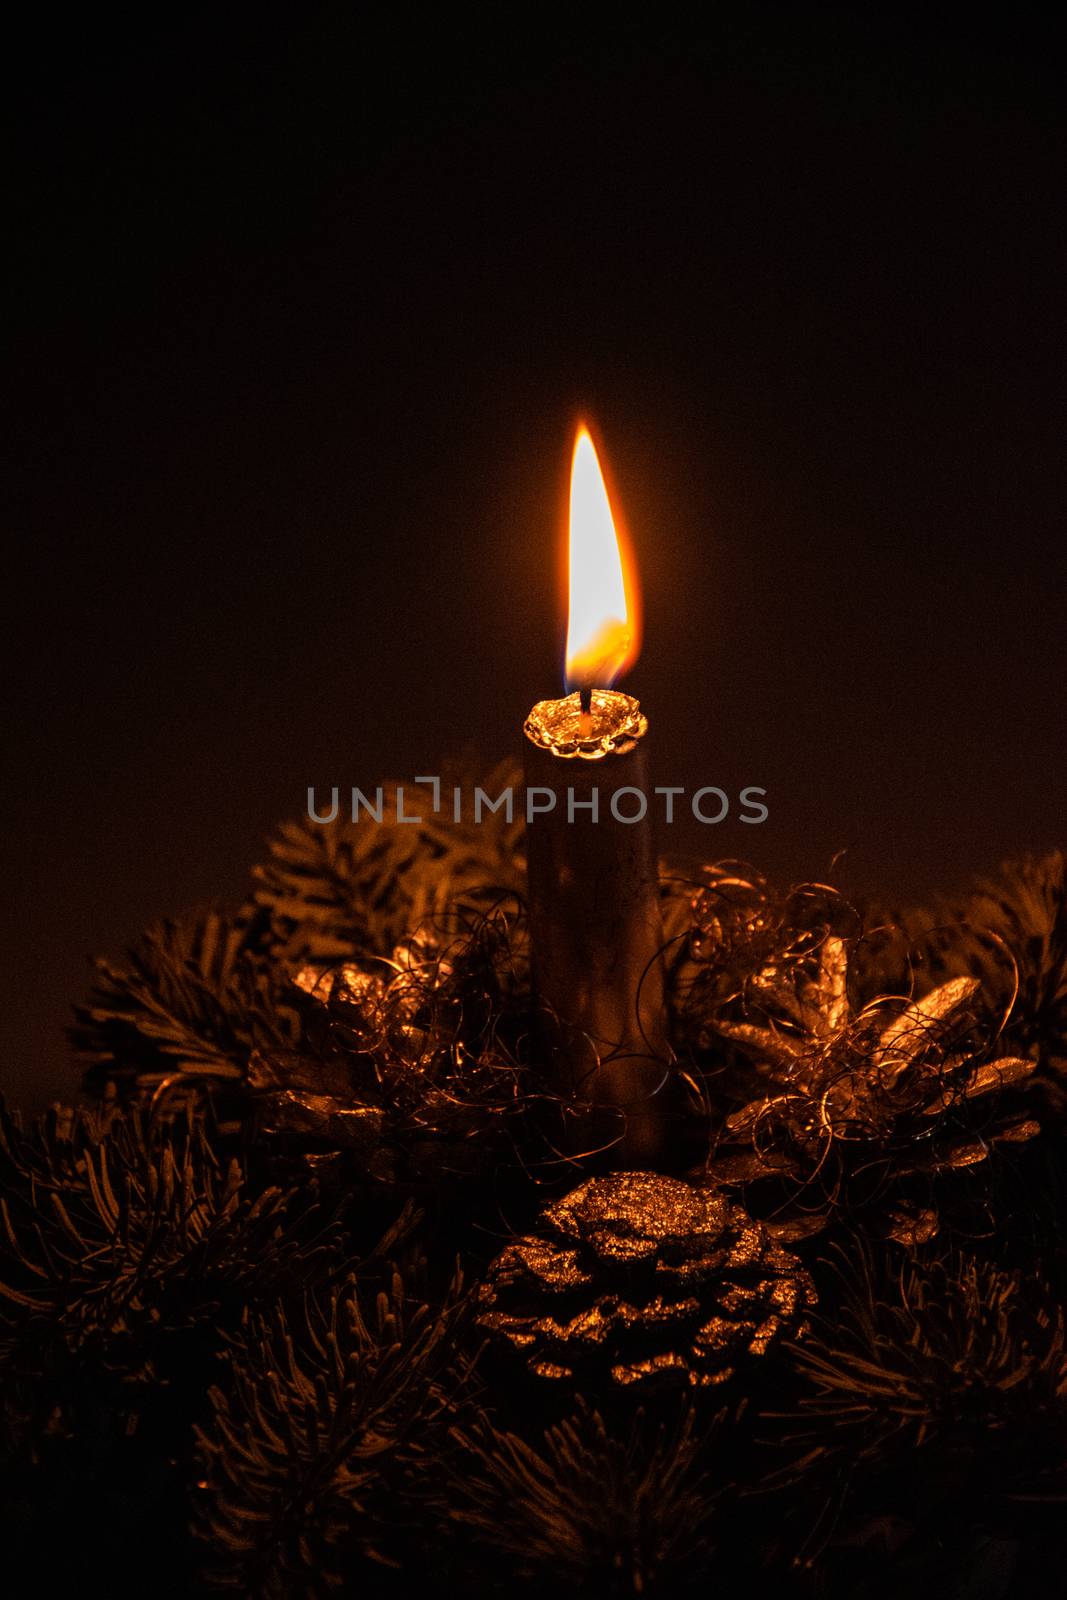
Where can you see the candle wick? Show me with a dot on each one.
(585, 719)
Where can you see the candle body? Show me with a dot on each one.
(595, 927)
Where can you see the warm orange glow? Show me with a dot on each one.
(602, 631)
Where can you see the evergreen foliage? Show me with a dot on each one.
(320, 1455)
(241, 1343)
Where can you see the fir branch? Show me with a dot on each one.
(324, 1447)
(341, 889)
(195, 996)
(118, 1229)
(950, 1350)
(588, 1510)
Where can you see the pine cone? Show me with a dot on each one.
(1012, 933)
(400, 1074)
(644, 1280)
(735, 925)
(883, 1092)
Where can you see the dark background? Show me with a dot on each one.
(299, 324)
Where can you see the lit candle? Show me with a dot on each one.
(595, 926)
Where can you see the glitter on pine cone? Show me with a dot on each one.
(843, 1092)
(406, 1069)
(736, 926)
(644, 1281)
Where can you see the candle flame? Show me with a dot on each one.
(602, 631)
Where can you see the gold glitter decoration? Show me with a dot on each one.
(384, 1078)
(612, 726)
(644, 1280)
(841, 1088)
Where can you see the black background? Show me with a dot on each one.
(300, 322)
